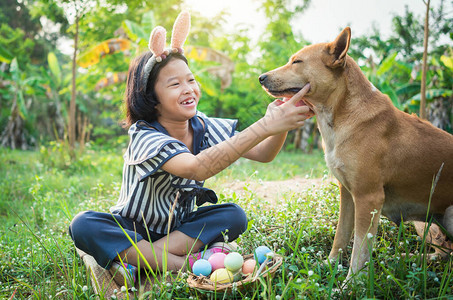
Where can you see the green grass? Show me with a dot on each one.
(41, 192)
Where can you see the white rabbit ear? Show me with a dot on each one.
(180, 30)
(157, 41)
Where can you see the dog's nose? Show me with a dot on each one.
(262, 78)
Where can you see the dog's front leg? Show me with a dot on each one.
(345, 224)
(367, 212)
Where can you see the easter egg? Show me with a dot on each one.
(216, 260)
(202, 267)
(222, 275)
(233, 261)
(207, 254)
(260, 253)
(249, 266)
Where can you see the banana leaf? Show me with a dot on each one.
(207, 84)
(15, 71)
(223, 71)
(5, 55)
(134, 31)
(54, 67)
(111, 79)
(148, 22)
(408, 89)
(406, 67)
(94, 55)
(207, 54)
(17, 78)
(431, 94)
(389, 91)
(386, 64)
(447, 61)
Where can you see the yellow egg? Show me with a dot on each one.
(248, 266)
(222, 276)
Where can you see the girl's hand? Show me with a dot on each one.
(287, 114)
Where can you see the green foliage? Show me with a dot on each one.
(392, 64)
(14, 43)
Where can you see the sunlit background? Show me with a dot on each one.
(322, 20)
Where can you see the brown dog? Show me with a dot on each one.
(385, 159)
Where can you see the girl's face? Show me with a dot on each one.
(177, 91)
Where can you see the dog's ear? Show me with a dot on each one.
(338, 49)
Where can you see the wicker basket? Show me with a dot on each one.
(205, 284)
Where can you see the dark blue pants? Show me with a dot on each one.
(99, 235)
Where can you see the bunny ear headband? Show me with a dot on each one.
(157, 42)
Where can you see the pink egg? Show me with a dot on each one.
(248, 266)
(216, 260)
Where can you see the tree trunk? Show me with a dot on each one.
(83, 124)
(13, 136)
(297, 137)
(72, 104)
(425, 65)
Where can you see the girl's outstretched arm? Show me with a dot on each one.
(277, 121)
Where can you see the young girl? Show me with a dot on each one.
(173, 149)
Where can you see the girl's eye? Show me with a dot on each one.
(174, 84)
(297, 61)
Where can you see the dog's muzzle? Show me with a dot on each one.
(262, 78)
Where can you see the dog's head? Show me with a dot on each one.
(318, 64)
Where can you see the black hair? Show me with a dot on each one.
(141, 104)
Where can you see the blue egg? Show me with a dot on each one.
(202, 267)
(207, 254)
(260, 253)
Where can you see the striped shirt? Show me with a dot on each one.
(148, 192)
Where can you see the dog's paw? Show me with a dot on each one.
(330, 261)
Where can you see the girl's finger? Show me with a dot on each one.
(300, 94)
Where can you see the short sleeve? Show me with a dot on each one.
(149, 149)
(218, 129)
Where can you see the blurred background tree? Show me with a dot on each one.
(36, 74)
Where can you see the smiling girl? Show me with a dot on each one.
(173, 149)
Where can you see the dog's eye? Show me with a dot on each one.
(297, 61)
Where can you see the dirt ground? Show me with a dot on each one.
(271, 190)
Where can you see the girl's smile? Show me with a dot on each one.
(178, 92)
